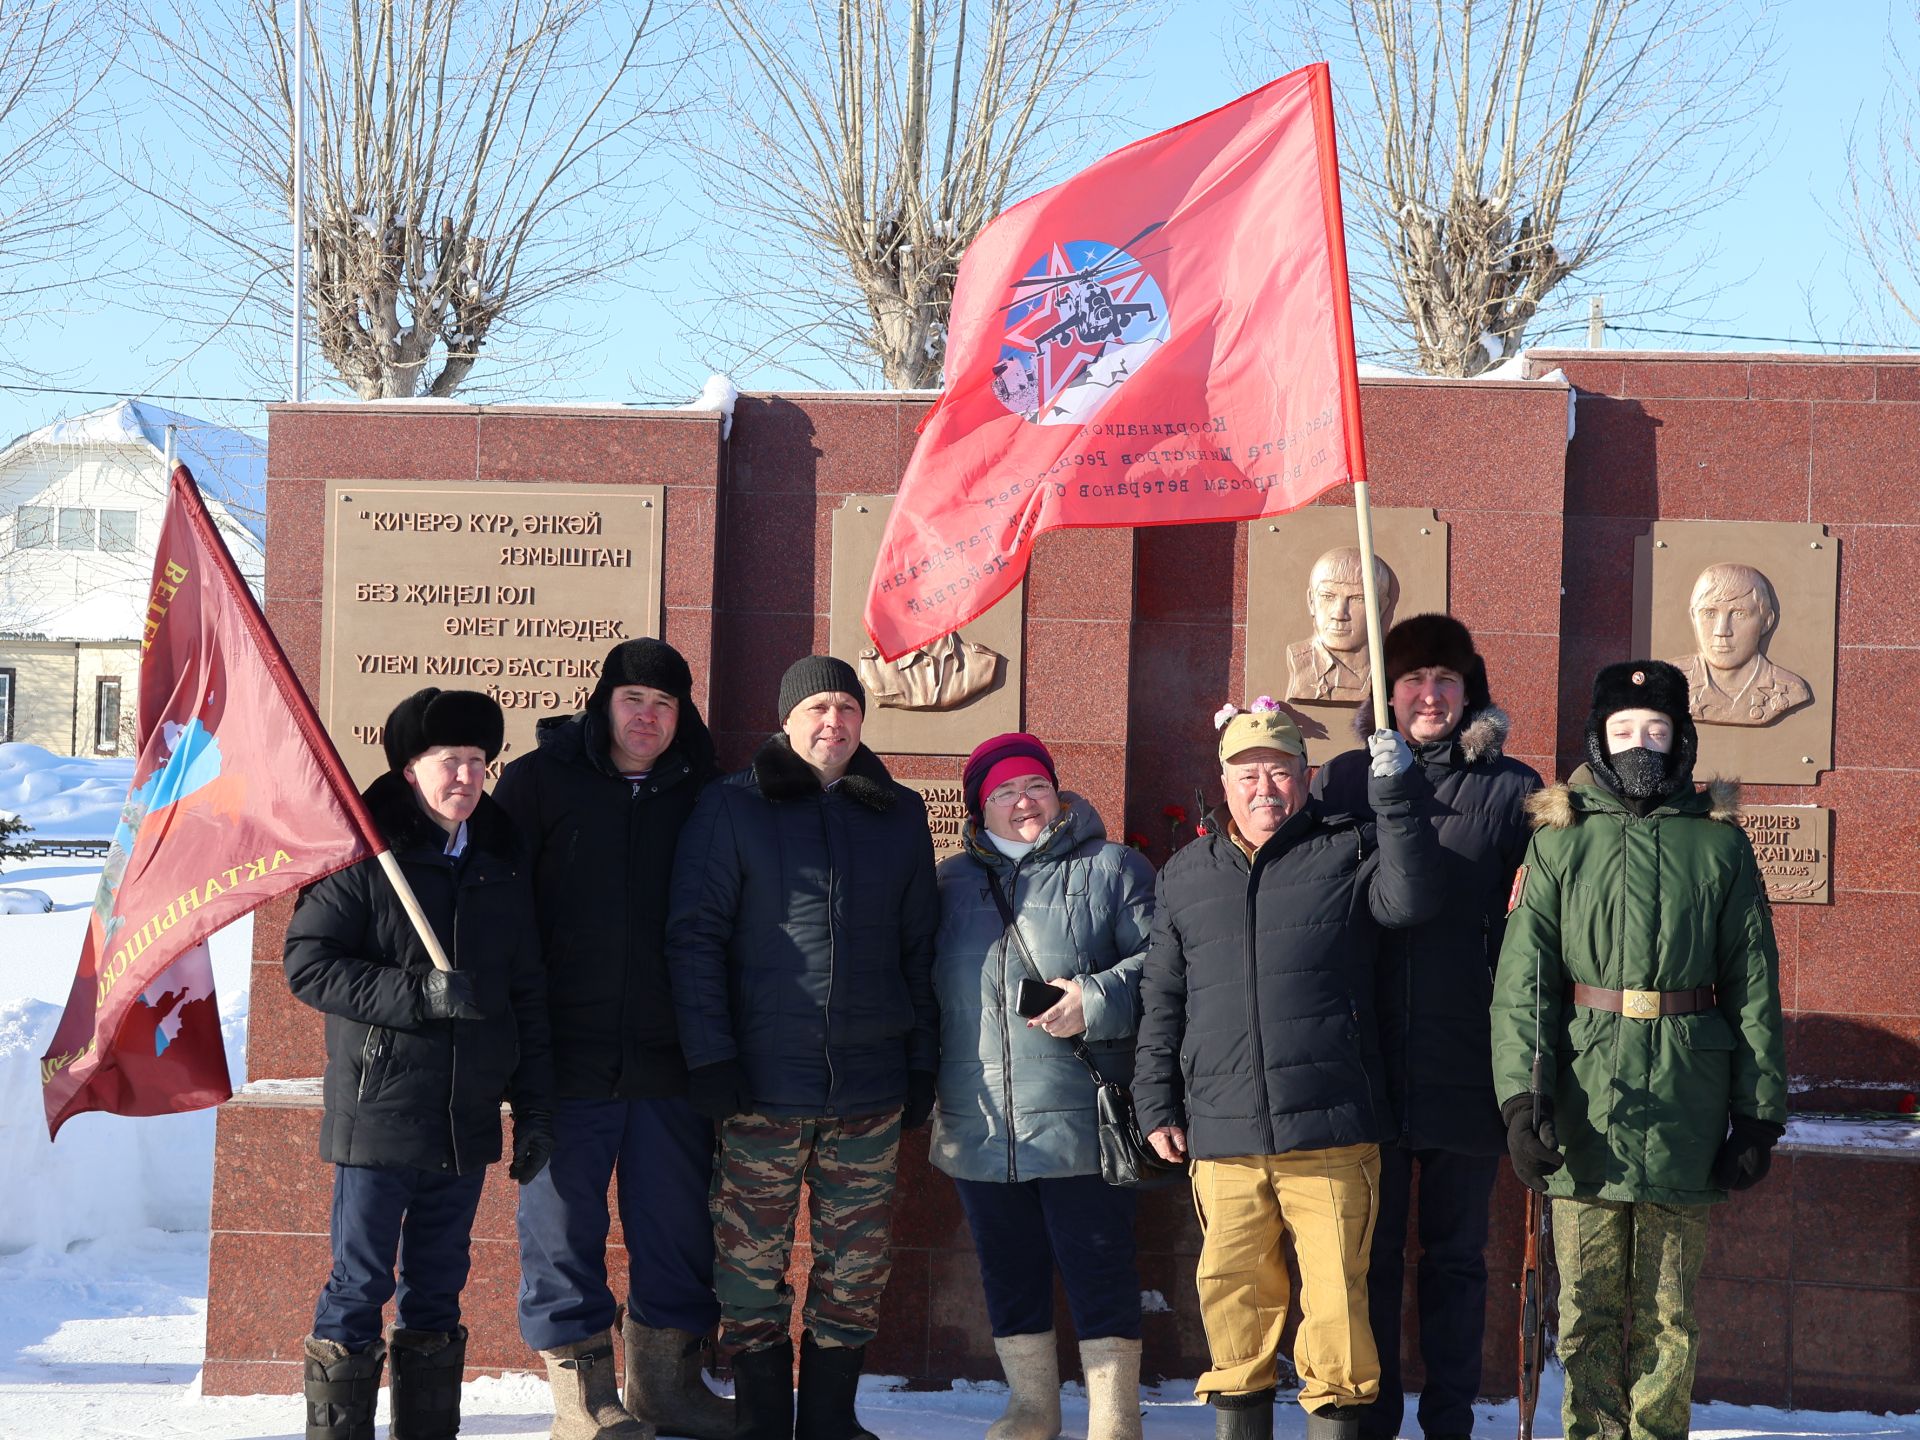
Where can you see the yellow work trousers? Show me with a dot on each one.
(1326, 1200)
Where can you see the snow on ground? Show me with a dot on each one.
(62, 798)
(103, 1242)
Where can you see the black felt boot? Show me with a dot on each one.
(763, 1393)
(341, 1389)
(1243, 1417)
(829, 1380)
(427, 1365)
(1335, 1422)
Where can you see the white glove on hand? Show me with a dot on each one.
(1390, 754)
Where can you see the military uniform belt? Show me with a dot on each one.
(1645, 1004)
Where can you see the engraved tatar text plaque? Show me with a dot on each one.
(946, 813)
(515, 590)
(1794, 845)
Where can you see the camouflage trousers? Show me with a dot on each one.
(848, 1169)
(1628, 1337)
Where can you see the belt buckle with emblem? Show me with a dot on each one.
(1640, 1004)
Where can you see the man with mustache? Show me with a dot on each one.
(1259, 1059)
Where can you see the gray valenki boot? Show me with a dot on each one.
(1112, 1368)
(1031, 1364)
(341, 1389)
(586, 1396)
(664, 1388)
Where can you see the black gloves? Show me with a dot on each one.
(919, 1099)
(532, 1143)
(717, 1091)
(449, 996)
(1534, 1151)
(1747, 1154)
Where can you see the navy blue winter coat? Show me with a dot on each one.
(1257, 1029)
(402, 1090)
(801, 936)
(1434, 985)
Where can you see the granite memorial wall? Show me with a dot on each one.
(518, 539)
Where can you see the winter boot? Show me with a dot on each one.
(427, 1365)
(664, 1388)
(1243, 1417)
(829, 1379)
(586, 1397)
(1112, 1368)
(763, 1392)
(1335, 1422)
(1032, 1367)
(342, 1389)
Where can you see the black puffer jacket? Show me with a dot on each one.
(1257, 1030)
(403, 1090)
(1435, 982)
(801, 941)
(602, 852)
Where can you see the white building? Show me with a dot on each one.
(81, 505)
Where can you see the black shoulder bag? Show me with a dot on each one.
(1125, 1156)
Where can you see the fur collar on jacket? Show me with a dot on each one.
(782, 775)
(1553, 807)
(1482, 734)
(409, 828)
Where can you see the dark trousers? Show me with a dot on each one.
(423, 1221)
(1455, 1193)
(1080, 1224)
(661, 1154)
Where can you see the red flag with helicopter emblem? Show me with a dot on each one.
(1164, 339)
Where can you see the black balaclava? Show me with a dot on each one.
(1640, 776)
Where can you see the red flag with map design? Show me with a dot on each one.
(237, 797)
(1164, 339)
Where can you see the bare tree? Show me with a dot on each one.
(870, 141)
(54, 55)
(1880, 197)
(1492, 149)
(470, 161)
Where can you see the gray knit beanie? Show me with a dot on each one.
(815, 675)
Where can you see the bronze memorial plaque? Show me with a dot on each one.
(515, 590)
(946, 813)
(1794, 845)
(1306, 622)
(942, 700)
(1746, 610)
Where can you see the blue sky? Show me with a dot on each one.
(1777, 260)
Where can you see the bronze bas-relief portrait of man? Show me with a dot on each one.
(1730, 680)
(1332, 663)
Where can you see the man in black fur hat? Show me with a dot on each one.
(1433, 986)
(601, 804)
(804, 911)
(418, 1061)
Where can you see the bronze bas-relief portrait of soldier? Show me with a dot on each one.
(1332, 663)
(1730, 681)
(940, 676)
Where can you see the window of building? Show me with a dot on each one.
(106, 714)
(76, 529)
(32, 527)
(119, 529)
(6, 705)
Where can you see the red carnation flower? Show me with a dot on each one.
(1176, 813)
(1909, 1103)
(1137, 840)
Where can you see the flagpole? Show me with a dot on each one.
(299, 201)
(1370, 593)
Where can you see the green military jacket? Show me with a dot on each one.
(1667, 901)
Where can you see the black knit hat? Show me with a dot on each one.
(657, 665)
(431, 717)
(1423, 640)
(818, 675)
(1644, 685)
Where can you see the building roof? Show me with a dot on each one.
(230, 466)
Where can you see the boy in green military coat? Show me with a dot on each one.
(1639, 957)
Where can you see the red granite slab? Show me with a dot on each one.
(1879, 568)
(1466, 447)
(1611, 459)
(1504, 570)
(597, 447)
(1744, 1343)
(1719, 461)
(296, 517)
(1081, 575)
(1744, 1239)
(372, 442)
(1853, 1223)
(1896, 382)
(1784, 380)
(1187, 573)
(296, 625)
(1887, 682)
(1692, 376)
(687, 569)
(1595, 371)
(1876, 832)
(1853, 1348)
(1856, 956)
(1837, 1053)
(1863, 464)
(1084, 693)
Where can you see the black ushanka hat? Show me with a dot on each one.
(1644, 685)
(432, 717)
